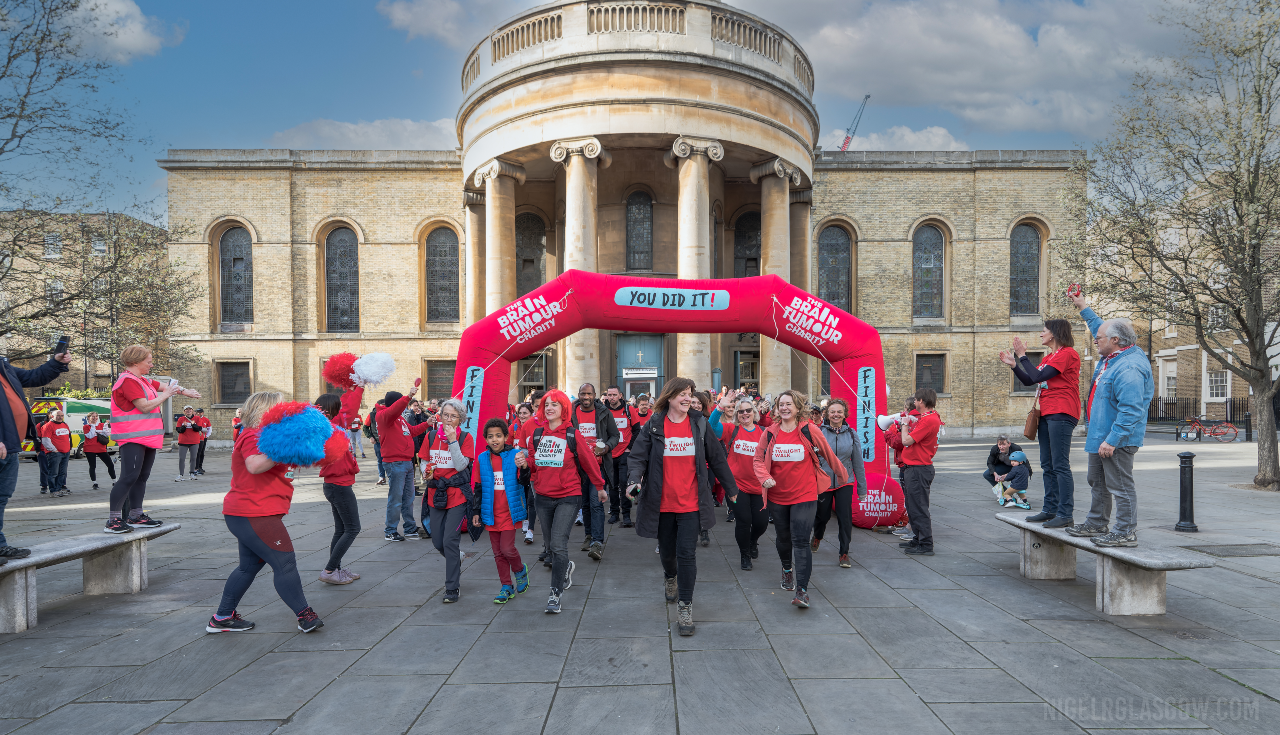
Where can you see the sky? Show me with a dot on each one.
(942, 74)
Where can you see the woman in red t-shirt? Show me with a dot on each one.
(786, 464)
(740, 437)
(1058, 391)
(672, 453)
(95, 450)
(446, 461)
(254, 509)
(339, 476)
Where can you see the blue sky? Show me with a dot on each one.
(384, 74)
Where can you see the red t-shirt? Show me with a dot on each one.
(440, 459)
(1061, 393)
(254, 496)
(554, 473)
(741, 451)
(679, 473)
(501, 511)
(59, 434)
(203, 423)
(129, 391)
(92, 445)
(586, 423)
(192, 435)
(924, 432)
(792, 467)
(625, 425)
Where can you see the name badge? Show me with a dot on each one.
(550, 452)
(289, 474)
(679, 446)
(622, 422)
(788, 452)
(442, 459)
(499, 485)
(587, 429)
(742, 446)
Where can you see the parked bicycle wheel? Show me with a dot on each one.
(1186, 429)
(1224, 432)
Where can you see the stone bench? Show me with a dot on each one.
(113, 564)
(1130, 580)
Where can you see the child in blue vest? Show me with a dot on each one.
(502, 508)
(1015, 482)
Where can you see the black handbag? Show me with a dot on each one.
(103, 439)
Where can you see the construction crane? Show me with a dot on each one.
(848, 134)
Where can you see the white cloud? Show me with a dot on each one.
(458, 24)
(897, 138)
(118, 31)
(1000, 65)
(388, 134)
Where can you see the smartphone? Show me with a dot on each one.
(63, 342)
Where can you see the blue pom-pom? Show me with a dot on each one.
(297, 439)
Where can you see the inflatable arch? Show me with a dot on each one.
(579, 300)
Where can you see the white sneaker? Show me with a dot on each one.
(568, 576)
(179, 478)
(528, 535)
(194, 477)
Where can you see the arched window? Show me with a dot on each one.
(1024, 271)
(835, 267)
(928, 249)
(342, 281)
(639, 231)
(531, 253)
(442, 275)
(235, 268)
(746, 246)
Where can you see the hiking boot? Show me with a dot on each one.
(613, 518)
(597, 551)
(704, 539)
(755, 550)
(522, 579)
(801, 599)
(553, 602)
(746, 562)
(844, 561)
(506, 593)
(309, 621)
(669, 588)
(1116, 539)
(909, 544)
(813, 545)
(626, 521)
(586, 543)
(117, 525)
(233, 624)
(788, 580)
(334, 577)
(684, 618)
(1086, 530)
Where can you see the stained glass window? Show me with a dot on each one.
(442, 275)
(531, 253)
(1024, 270)
(746, 246)
(639, 232)
(927, 263)
(342, 281)
(235, 259)
(835, 267)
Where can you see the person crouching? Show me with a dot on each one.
(501, 501)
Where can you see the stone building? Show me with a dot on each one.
(668, 139)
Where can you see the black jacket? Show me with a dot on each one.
(19, 379)
(607, 432)
(646, 463)
(1000, 464)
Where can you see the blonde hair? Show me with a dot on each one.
(93, 417)
(802, 406)
(257, 404)
(755, 412)
(134, 354)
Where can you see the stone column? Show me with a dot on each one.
(692, 157)
(803, 367)
(475, 310)
(775, 178)
(582, 159)
(499, 179)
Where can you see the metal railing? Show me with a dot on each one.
(1171, 410)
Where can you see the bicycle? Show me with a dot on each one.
(1223, 431)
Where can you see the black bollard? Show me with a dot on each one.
(1186, 497)
(1248, 426)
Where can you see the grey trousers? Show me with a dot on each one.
(446, 539)
(1110, 476)
(183, 451)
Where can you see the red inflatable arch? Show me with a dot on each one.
(769, 305)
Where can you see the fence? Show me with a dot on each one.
(1172, 410)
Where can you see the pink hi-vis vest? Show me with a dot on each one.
(133, 425)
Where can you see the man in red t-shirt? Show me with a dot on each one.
(919, 444)
(189, 436)
(206, 430)
(55, 436)
(626, 420)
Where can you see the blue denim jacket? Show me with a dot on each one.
(1118, 415)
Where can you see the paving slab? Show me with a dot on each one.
(882, 706)
(404, 650)
(631, 710)
(509, 709)
(191, 670)
(1004, 719)
(966, 685)
(720, 636)
(972, 618)
(1099, 638)
(507, 658)
(271, 688)
(350, 629)
(116, 718)
(703, 677)
(827, 656)
(911, 639)
(618, 617)
(370, 705)
(604, 662)
(41, 691)
(907, 573)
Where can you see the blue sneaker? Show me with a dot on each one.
(506, 593)
(522, 579)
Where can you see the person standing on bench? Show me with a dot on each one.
(1117, 409)
(16, 425)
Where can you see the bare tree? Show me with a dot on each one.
(1178, 209)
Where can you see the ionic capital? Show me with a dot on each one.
(775, 167)
(802, 196)
(497, 167)
(686, 146)
(473, 198)
(585, 147)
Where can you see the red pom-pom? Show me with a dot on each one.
(281, 411)
(336, 447)
(337, 370)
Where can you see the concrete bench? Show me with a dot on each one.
(1130, 580)
(113, 564)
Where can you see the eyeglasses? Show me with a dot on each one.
(745, 410)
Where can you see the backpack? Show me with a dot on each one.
(804, 429)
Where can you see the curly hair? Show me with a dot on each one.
(802, 406)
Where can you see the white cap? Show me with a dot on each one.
(186, 407)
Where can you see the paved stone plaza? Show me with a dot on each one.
(955, 643)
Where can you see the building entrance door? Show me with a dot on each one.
(639, 364)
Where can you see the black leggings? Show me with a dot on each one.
(263, 541)
(793, 524)
(750, 521)
(135, 468)
(678, 549)
(346, 522)
(842, 500)
(93, 458)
